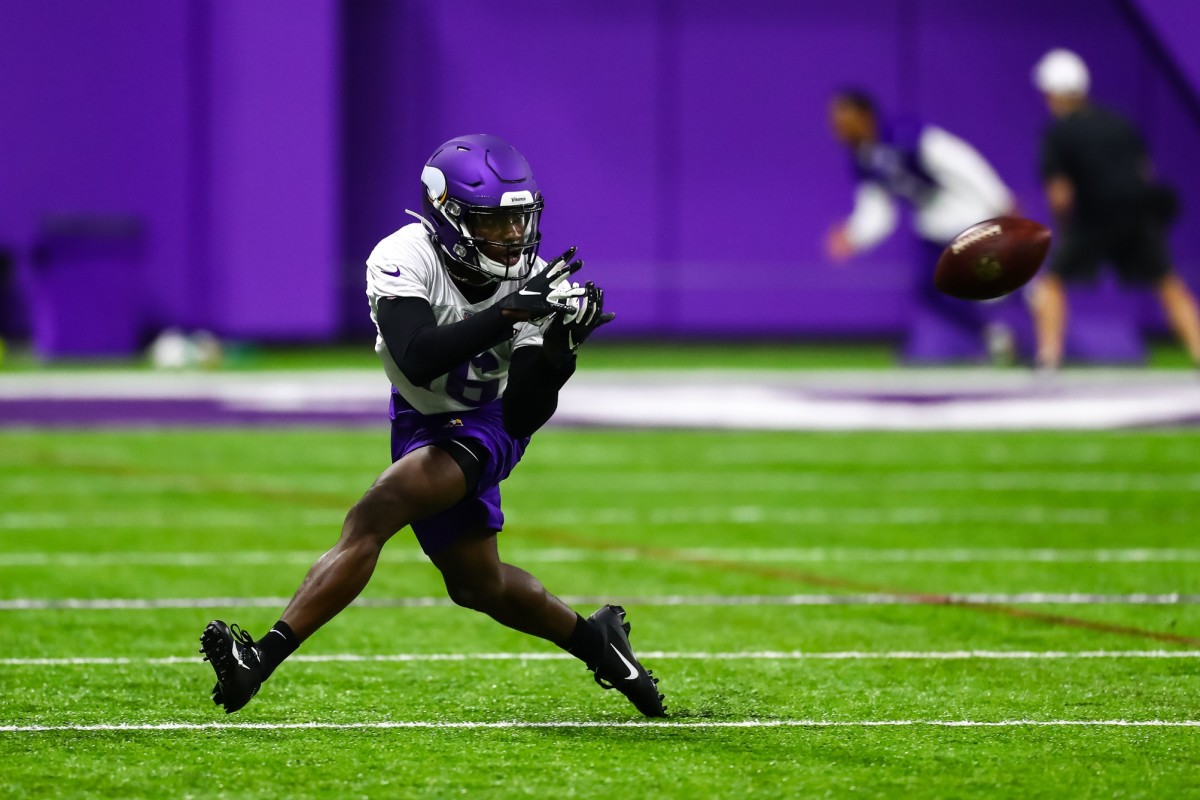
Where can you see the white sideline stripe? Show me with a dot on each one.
(510, 724)
(875, 599)
(762, 655)
(775, 400)
(571, 555)
(794, 480)
(682, 515)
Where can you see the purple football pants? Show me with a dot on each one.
(412, 430)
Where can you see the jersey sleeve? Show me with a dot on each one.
(530, 334)
(953, 162)
(397, 268)
(873, 218)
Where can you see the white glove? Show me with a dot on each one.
(572, 295)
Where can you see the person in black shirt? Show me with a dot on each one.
(1099, 185)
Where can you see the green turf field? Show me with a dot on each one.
(717, 540)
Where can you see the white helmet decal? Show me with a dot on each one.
(434, 181)
(522, 198)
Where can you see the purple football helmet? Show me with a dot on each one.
(484, 206)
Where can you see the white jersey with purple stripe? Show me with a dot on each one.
(406, 264)
(949, 184)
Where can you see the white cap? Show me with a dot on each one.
(1061, 72)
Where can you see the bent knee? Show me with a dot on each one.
(482, 596)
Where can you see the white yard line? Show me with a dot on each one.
(638, 482)
(791, 555)
(761, 655)
(872, 599)
(86, 521)
(516, 724)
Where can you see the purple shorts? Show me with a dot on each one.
(412, 430)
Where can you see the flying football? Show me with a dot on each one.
(992, 258)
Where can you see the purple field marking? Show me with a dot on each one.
(755, 401)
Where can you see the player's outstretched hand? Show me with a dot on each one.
(542, 295)
(567, 331)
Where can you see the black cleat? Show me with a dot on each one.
(234, 658)
(619, 668)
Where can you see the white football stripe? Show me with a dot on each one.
(871, 599)
(814, 555)
(88, 520)
(760, 655)
(511, 724)
(970, 479)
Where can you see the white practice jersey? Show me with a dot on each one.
(966, 190)
(406, 264)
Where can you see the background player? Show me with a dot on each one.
(476, 351)
(950, 186)
(1099, 186)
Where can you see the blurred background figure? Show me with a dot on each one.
(1100, 187)
(950, 187)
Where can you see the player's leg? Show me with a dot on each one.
(476, 578)
(1142, 257)
(420, 484)
(1048, 305)
(960, 323)
(1182, 314)
(1076, 259)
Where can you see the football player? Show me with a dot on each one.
(477, 335)
(950, 187)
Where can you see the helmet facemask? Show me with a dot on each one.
(495, 243)
(503, 240)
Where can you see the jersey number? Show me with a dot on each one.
(462, 388)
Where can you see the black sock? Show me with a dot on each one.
(585, 643)
(277, 645)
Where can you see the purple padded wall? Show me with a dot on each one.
(681, 145)
(95, 111)
(216, 124)
(1175, 25)
(273, 178)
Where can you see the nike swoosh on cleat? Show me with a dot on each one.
(528, 293)
(238, 657)
(633, 673)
